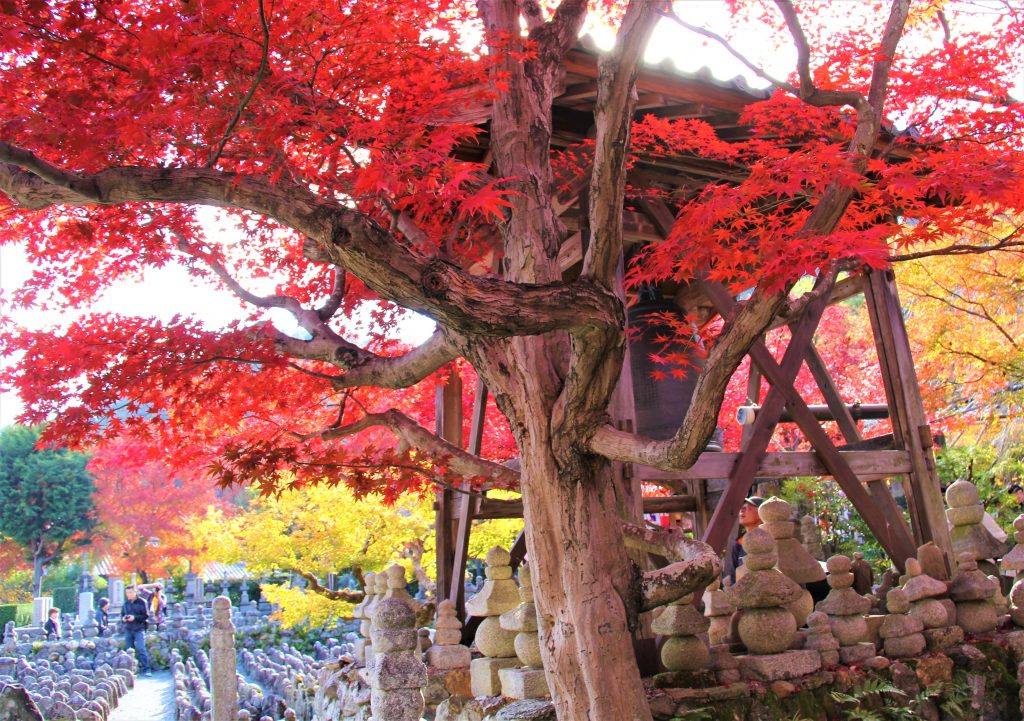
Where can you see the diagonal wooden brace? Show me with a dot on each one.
(893, 537)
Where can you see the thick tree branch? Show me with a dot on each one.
(419, 437)
(369, 369)
(314, 585)
(1008, 242)
(695, 565)
(333, 302)
(336, 234)
(683, 450)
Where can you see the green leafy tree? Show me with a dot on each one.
(47, 498)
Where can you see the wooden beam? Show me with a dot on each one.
(910, 424)
(784, 464)
(896, 544)
(465, 506)
(841, 413)
(741, 479)
(448, 424)
(513, 508)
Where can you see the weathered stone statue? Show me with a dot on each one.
(845, 609)
(811, 538)
(965, 513)
(528, 681)
(1014, 560)
(397, 675)
(928, 603)
(765, 625)
(821, 639)
(719, 610)
(901, 632)
(972, 591)
(498, 595)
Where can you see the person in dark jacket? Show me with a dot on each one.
(52, 625)
(103, 615)
(135, 619)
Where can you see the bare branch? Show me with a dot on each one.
(1008, 242)
(753, 67)
(419, 437)
(260, 73)
(808, 91)
(369, 369)
(331, 305)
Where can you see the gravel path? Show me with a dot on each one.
(152, 699)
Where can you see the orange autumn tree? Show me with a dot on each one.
(144, 509)
(330, 135)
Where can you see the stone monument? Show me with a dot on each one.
(719, 610)
(972, 591)
(901, 632)
(821, 639)
(965, 513)
(845, 609)
(223, 678)
(447, 651)
(397, 676)
(1014, 560)
(527, 681)
(498, 595)
(682, 624)
(925, 595)
(811, 538)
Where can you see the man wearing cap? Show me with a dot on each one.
(749, 519)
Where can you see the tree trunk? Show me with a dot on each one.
(587, 589)
(37, 575)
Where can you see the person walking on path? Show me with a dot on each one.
(134, 617)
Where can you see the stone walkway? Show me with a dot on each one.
(152, 699)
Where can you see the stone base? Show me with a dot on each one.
(857, 653)
(779, 666)
(874, 624)
(483, 674)
(684, 679)
(449, 657)
(940, 638)
(523, 683)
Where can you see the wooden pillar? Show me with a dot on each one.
(466, 504)
(448, 420)
(910, 426)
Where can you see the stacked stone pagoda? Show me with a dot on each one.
(360, 614)
(927, 598)
(972, 592)
(1014, 560)
(965, 513)
(821, 639)
(845, 609)
(394, 578)
(527, 681)
(447, 651)
(498, 595)
(719, 610)
(765, 626)
(794, 560)
(682, 624)
(396, 674)
(901, 632)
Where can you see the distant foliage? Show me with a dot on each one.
(47, 496)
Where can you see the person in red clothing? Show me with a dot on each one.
(749, 518)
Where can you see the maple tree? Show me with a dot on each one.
(329, 135)
(47, 499)
(968, 331)
(145, 512)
